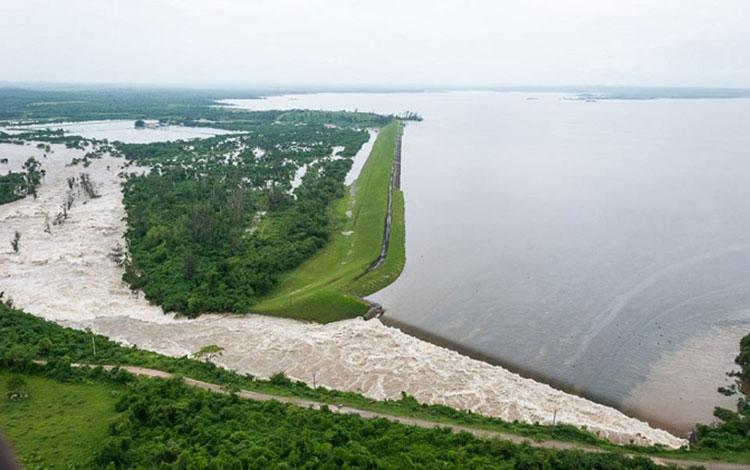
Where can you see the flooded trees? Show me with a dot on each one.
(33, 173)
(17, 185)
(208, 353)
(88, 186)
(12, 187)
(14, 242)
(194, 245)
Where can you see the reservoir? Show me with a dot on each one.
(603, 247)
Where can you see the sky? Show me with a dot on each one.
(384, 43)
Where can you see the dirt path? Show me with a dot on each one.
(422, 423)
(394, 183)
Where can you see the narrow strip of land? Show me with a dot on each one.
(422, 423)
(330, 285)
(393, 184)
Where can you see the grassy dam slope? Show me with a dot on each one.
(329, 286)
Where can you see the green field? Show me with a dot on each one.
(59, 425)
(329, 286)
(167, 424)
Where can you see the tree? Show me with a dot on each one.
(118, 255)
(14, 241)
(207, 353)
(34, 175)
(140, 124)
(190, 266)
(732, 431)
(88, 186)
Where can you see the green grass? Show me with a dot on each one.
(60, 425)
(25, 336)
(394, 262)
(329, 286)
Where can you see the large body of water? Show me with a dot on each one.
(603, 247)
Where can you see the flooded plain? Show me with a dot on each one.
(125, 131)
(603, 246)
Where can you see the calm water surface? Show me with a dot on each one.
(601, 246)
(125, 131)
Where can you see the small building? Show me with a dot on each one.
(147, 124)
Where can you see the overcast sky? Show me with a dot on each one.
(382, 42)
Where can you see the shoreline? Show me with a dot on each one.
(377, 311)
(476, 354)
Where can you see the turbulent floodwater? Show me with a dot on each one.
(601, 246)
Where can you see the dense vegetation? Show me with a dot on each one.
(89, 418)
(105, 103)
(190, 107)
(216, 221)
(165, 424)
(18, 185)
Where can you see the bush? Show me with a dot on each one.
(17, 388)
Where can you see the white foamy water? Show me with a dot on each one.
(66, 276)
(16, 155)
(358, 161)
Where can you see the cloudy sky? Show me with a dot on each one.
(381, 43)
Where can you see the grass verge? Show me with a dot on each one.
(168, 424)
(59, 425)
(329, 286)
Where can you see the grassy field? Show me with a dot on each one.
(328, 286)
(59, 425)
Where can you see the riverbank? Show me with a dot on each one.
(66, 276)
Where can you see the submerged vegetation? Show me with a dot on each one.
(214, 222)
(234, 223)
